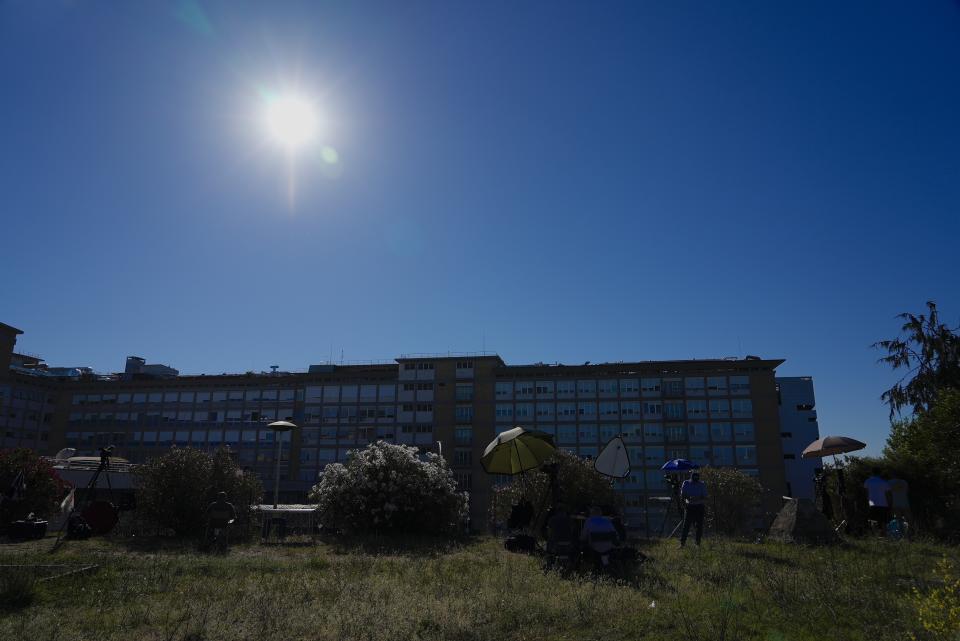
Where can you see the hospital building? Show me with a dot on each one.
(721, 412)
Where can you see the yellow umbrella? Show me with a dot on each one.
(516, 451)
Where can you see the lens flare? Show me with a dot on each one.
(292, 121)
(329, 155)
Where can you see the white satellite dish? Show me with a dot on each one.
(613, 460)
(65, 453)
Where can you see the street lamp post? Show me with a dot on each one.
(279, 427)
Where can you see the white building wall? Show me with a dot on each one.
(798, 428)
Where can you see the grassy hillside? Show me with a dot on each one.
(473, 591)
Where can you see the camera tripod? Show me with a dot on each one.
(88, 492)
(675, 502)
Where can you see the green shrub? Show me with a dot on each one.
(44, 488)
(175, 489)
(580, 486)
(390, 488)
(733, 500)
(18, 588)
(938, 609)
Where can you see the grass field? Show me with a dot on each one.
(469, 591)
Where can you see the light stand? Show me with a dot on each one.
(279, 427)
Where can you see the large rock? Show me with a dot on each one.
(800, 522)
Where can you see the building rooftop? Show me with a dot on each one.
(10, 329)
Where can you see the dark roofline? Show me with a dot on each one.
(10, 329)
(468, 356)
(255, 379)
(659, 367)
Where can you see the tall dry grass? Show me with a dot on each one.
(474, 591)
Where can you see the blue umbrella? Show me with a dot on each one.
(679, 465)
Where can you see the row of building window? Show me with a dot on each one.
(418, 366)
(189, 398)
(240, 437)
(27, 435)
(323, 393)
(720, 432)
(612, 410)
(712, 385)
(629, 387)
(21, 394)
(19, 415)
(584, 434)
(605, 410)
(151, 419)
(738, 385)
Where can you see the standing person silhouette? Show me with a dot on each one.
(693, 492)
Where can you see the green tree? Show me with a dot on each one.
(580, 485)
(175, 489)
(733, 500)
(925, 450)
(44, 488)
(932, 437)
(929, 351)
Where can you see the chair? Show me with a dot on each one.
(600, 545)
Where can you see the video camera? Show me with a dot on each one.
(672, 480)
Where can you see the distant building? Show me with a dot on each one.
(721, 412)
(798, 429)
(28, 397)
(137, 367)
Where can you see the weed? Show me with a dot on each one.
(18, 588)
(473, 590)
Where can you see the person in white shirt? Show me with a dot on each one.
(877, 490)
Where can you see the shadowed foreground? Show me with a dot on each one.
(475, 591)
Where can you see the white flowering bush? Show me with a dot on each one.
(390, 488)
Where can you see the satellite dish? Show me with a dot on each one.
(613, 459)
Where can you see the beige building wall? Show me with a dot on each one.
(462, 450)
(8, 341)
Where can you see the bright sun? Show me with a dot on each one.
(291, 121)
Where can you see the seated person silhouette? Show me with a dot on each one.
(220, 513)
(520, 515)
(600, 535)
(560, 535)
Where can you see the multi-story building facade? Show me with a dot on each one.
(715, 412)
(27, 403)
(798, 429)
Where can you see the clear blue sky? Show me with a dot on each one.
(557, 182)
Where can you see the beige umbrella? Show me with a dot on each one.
(831, 446)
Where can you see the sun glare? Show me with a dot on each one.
(291, 121)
